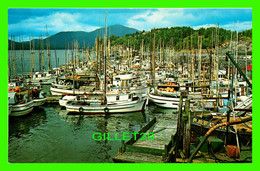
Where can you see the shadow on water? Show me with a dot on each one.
(112, 124)
(22, 125)
(155, 111)
(51, 135)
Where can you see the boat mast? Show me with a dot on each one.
(200, 47)
(22, 53)
(128, 55)
(65, 56)
(97, 49)
(217, 61)
(142, 56)
(105, 59)
(230, 49)
(100, 55)
(236, 62)
(153, 62)
(163, 53)
(192, 63)
(48, 48)
(246, 67)
(160, 59)
(31, 63)
(13, 55)
(73, 66)
(56, 61)
(83, 53)
(41, 58)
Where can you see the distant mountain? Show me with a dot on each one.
(59, 40)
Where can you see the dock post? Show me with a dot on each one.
(166, 151)
(186, 129)
(179, 128)
(228, 119)
(122, 148)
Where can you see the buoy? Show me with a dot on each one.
(17, 89)
(106, 110)
(81, 110)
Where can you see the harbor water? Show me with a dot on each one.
(49, 135)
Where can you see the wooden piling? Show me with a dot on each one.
(179, 129)
(186, 129)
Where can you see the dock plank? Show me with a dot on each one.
(162, 134)
(131, 157)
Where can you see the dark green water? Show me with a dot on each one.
(50, 135)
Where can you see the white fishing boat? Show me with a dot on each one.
(40, 100)
(166, 95)
(19, 107)
(65, 99)
(60, 91)
(9, 109)
(98, 108)
(13, 84)
(165, 102)
(42, 77)
(61, 85)
(112, 97)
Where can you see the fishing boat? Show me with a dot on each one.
(59, 92)
(39, 98)
(165, 102)
(84, 98)
(19, 106)
(76, 85)
(42, 77)
(98, 108)
(166, 95)
(9, 109)
(200, 126)
(112, 97)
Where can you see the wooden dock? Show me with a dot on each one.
(53, 99)
(149, 151)
(174, 143)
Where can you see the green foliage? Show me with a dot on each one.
(180, 37)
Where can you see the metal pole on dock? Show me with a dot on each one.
(239, 69)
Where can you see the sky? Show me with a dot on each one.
(24, 22)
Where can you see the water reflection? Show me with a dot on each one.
(51, 135)
(22, 125)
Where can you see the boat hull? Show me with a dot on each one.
(59, 92)
(165, 102)
(22, 109)
(134, 106)
(199, 127)
(39, 102)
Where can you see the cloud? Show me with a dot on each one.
(196, 18)
(25, 22)
(59, 21)
(240, 26)
(158, 18)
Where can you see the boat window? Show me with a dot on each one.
(117, 97)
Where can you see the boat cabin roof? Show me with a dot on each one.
(12, 97)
